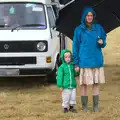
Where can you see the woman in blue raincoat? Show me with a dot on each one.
(88, 41)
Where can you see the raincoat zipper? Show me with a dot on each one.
(70, 76)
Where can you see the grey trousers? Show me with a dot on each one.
(68, 97)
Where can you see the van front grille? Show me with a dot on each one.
(17, 60)
(20, 46)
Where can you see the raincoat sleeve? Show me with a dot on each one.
(75, 47)
(76, 74)
(103, 37)
(60, 77)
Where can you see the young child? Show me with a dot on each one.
(66, 81)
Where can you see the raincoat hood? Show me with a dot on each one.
(62, 55)
(85, 12)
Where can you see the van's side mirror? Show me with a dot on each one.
(54, 27)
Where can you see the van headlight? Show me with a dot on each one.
(41, 46)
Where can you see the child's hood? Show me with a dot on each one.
(62, 55)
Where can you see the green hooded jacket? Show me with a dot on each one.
(66, 73)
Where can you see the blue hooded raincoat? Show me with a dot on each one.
(87, 53)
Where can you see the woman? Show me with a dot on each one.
(89, 38)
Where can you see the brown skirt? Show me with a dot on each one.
(89, 76)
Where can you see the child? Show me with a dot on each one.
(66, 81)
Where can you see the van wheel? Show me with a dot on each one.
(52, 77)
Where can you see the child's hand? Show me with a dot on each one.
(61, 89)
(100, 41)
(77, 69)
(77, 78)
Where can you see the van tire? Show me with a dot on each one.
(52, 77)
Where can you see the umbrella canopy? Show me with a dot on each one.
(107, 11)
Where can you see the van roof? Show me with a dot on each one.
(40, 1)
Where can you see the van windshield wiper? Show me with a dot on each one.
(4, 25)
(26, 25)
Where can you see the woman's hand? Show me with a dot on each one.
(100, 41)
(77, 69)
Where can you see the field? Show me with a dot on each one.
(34, 99)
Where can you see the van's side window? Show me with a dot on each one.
(51, 16)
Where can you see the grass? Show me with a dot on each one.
(38, 101)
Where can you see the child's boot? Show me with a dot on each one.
(65, 110)
(95, 103)
(72, 109)
(84, 101)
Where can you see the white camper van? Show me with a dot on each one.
(29, 42)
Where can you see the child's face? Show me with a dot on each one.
(67, 57)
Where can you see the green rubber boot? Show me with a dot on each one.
(95, 103)
(84, 101)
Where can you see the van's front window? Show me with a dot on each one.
(27, 15)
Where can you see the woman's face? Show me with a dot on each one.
(89, 17)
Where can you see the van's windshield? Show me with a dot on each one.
(15, 14)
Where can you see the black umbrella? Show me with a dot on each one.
(108, 15)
